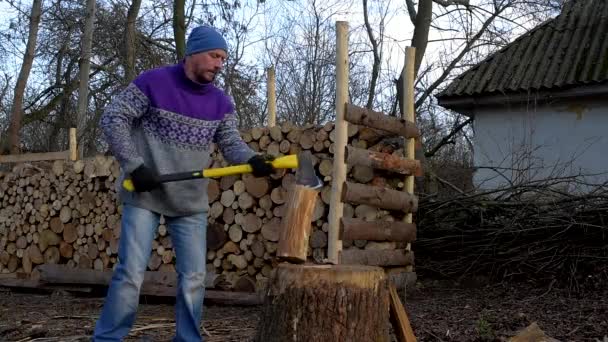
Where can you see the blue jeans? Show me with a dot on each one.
(188, 236)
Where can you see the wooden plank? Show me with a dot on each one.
(211, 296)
(19, 283)
(398, 317)
(62, 274)
(22, 283)
(366, 117)
(379, 197)
(32, 157)
(371, 257)
(382, 161)
(233, 298)
(357, 229)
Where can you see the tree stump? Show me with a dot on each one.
(330, 303)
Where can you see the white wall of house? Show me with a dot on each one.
(535, 142)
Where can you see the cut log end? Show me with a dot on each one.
(329, 303)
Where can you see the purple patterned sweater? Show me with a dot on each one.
(168, 122)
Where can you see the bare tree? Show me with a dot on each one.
(303, 53)
(14, 138)
(485, 27)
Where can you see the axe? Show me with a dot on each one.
(302, 162)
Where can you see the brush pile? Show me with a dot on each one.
(535, 230)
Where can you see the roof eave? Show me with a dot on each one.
(466, 104)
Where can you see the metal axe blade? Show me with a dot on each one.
(305, 173)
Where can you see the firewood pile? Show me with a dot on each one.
(532, 230)
(67, 212)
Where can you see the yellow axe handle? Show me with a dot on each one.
(286, 162)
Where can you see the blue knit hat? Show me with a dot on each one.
(204, 38)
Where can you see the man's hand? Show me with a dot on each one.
(144, 179)
(260, 164)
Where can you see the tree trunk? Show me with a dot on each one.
(377, 58)
(420, 40)
(84, 67)
(179, 28)
(14, 137)
(130, 41)
(325, 303)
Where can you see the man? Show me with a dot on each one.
(164, 122)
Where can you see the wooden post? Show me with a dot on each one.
(271, 94)
(73, 145)
(318, 303)
(408, 114)
(339, 167)
(293, 237)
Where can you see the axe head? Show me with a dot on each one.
(305, 173)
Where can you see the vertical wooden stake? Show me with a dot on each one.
(408, 114)
(73, 145)
(339, 172)
(272, 101)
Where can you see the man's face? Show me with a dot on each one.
(204, 66)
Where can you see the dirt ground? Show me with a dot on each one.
(438, 312)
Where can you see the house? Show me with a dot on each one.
(540, 105)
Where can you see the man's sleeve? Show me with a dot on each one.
(116, 123)
(229, 141)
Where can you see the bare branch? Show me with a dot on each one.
(156, 43)
(446, 3)
(447, 139)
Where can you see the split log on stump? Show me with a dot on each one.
(317, 303)
(382, 161)
(365, 117)
(293, 237)
(379, 197)
(357, 229)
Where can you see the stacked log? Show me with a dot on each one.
(66, 212)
